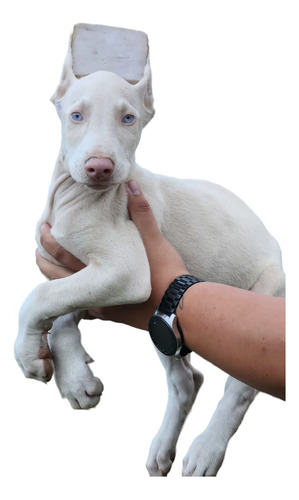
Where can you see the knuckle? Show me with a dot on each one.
(59, 253)
(144, 206)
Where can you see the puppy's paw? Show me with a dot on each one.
(77, 383)
(161, 457)
(205, 456)
(34, 356)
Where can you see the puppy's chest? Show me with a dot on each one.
(87, 225)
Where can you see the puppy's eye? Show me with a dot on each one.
(77, 117)
(128, 119)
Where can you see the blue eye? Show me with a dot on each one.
(128, 119)
(77, 117)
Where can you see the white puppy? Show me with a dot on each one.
(218, 236)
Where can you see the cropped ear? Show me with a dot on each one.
(66, 79)
(144, 88)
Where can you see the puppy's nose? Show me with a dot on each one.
(99, 169)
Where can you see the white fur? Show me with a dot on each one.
(218, 236)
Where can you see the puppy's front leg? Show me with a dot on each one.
(184, 383)
(73, 375)
(92, 287)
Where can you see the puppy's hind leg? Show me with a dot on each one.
(73, 375)
(184, 383)
(207, 451)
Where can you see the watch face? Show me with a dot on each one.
(162, 335)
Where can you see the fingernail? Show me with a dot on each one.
(133, 187)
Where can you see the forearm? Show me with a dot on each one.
(239, 331)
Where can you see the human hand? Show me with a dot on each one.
(165, 262)
(69, 264)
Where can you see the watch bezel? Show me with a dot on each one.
(173, 344)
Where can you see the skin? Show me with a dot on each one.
(241, 332)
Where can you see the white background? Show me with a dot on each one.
(224, 82)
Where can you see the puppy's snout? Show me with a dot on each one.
(99, 169)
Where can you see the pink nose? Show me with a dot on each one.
(99, 169)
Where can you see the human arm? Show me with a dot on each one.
(241, 332)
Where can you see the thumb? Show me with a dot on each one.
(165, 263)
(141, 214)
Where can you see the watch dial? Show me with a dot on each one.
(162, 336)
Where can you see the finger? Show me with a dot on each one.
(57, 251)
(141, 214)
(50, 270)
(44, 350)
(46, 355)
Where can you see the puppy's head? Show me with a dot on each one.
(102, 117)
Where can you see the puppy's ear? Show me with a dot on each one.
(66, 79)
(144, 88)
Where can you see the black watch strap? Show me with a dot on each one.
(175, 291)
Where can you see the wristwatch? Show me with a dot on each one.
(163, 326)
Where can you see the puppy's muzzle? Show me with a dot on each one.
(99, 170)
